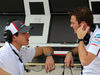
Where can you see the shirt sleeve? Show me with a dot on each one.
(2, 59)
(1, 65)
(27, 54)
(94, 46)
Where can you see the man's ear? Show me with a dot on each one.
(14, 38)
(84, 24)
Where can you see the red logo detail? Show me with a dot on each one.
(97, 40)
(21, 23)
(94, 44)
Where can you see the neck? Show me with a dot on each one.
(17, 46)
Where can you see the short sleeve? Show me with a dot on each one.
(95, 45)
(27, 54)
(2, 59)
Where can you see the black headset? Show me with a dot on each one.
(8, 36)
(7, 33)
(87, 36)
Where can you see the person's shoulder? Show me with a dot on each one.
(96, 36)
(26, 48)
(4, 50)
(5, 54)
(97, 32)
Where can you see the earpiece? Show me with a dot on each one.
(92, 27)
(8, 33)
(87, 37)
(8, 36)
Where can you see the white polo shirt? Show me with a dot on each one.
(9, 61)
(94, 47)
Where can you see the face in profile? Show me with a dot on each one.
(22, 38)
(74, 23)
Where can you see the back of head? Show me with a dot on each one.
(83, 14)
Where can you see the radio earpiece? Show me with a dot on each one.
(7, 33)
(87, 37)
(8, 36)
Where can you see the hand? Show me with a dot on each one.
(49, 64)
(69, 60)
(81, 31)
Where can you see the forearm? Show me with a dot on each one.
(69, 57)
(43, 50)
(83, 54)
(48, 50)
(49, 63)
(75, 51)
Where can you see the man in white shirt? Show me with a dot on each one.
(13, 56)
(88, 41)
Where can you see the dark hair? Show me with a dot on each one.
(83, 14)
(16, 34)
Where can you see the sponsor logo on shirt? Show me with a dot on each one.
(97, 36)
(97, 40)
(95, 43)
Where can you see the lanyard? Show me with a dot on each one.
(16, 54)
(19, 58)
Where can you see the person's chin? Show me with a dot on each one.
(26, 43)
(75, 32)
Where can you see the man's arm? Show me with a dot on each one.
(2, 72)
(43, 50)
(69, 58)
(49, 63)
(75, 51)
(85, 56)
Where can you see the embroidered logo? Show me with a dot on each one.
(97, 36)
(95, 43)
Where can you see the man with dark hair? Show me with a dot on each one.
(13, 56)
(88, 41)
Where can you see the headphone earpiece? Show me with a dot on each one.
(92, 27)
(87, 37)
(8, 36)
(8, 33)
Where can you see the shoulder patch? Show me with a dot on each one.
(95, 43)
